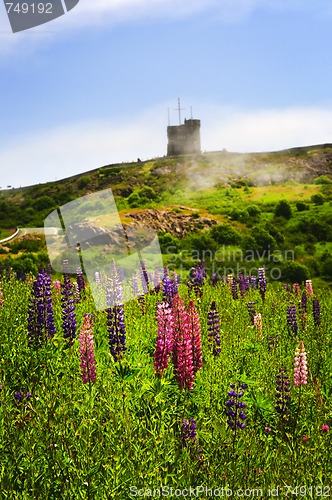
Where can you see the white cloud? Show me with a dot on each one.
(266, 130)
(79, 147)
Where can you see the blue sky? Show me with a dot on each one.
(93, 87)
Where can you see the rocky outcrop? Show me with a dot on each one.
(174, 223)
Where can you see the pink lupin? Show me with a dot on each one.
(300, 365)
(86, 350)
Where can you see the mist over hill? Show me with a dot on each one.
(264, 203)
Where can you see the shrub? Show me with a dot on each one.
(83, 182)
(224, 234)
(134, 200)
(301, 206)
(263, 239)
(148, 193)
(322, 179)
(318, 199)
(43, 203)
(294, 272)
(168, 243)
(254, 211)
(283, 209)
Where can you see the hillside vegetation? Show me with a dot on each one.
(235, 211)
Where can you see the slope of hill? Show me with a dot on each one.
(190, 198)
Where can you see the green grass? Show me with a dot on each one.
(79, 441)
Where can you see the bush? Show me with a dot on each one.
(318, 199)
(168, 243)
(224, 234)
(134, 200)
(322, 179)
(283, 209)
(203, 244)
(301, 206)
(254, 211)
(83, 182)
(263, 239)
(147, 193)
(43, 203)
(240, 215)
(294, 273)
(274, 232)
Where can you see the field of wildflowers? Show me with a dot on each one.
(201, 383)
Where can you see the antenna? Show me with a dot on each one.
(191, 112)
(179, 110)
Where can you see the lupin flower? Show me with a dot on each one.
(196, 279)
(188, 432)
(68, 306)
(242, 285)
(214, 279)
(258, 321)
(195, 332)
(291, 319)
(182, 347)
(144, 276)
(165, 338)
(40, 318)
(169, 287)
(282, 393)
(273, 341)
(253, 282)
(251, 310)
(86, 350)
(56, 285)
(296, 288)
(300, 365)
(235, 407)
(262, 282)
(1, 295)
(308, 286)
(80, 281)
(135, 289)
(214, 328)
(234, 289)
(304, 301)
(115, 315)
(316, 311)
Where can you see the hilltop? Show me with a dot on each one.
(188, 198)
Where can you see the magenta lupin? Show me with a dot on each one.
(195, 332)
(182, 347)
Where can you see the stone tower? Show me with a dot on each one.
(184, 139)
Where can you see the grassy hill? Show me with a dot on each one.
(241, 210)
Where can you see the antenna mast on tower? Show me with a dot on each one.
(179, 110)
